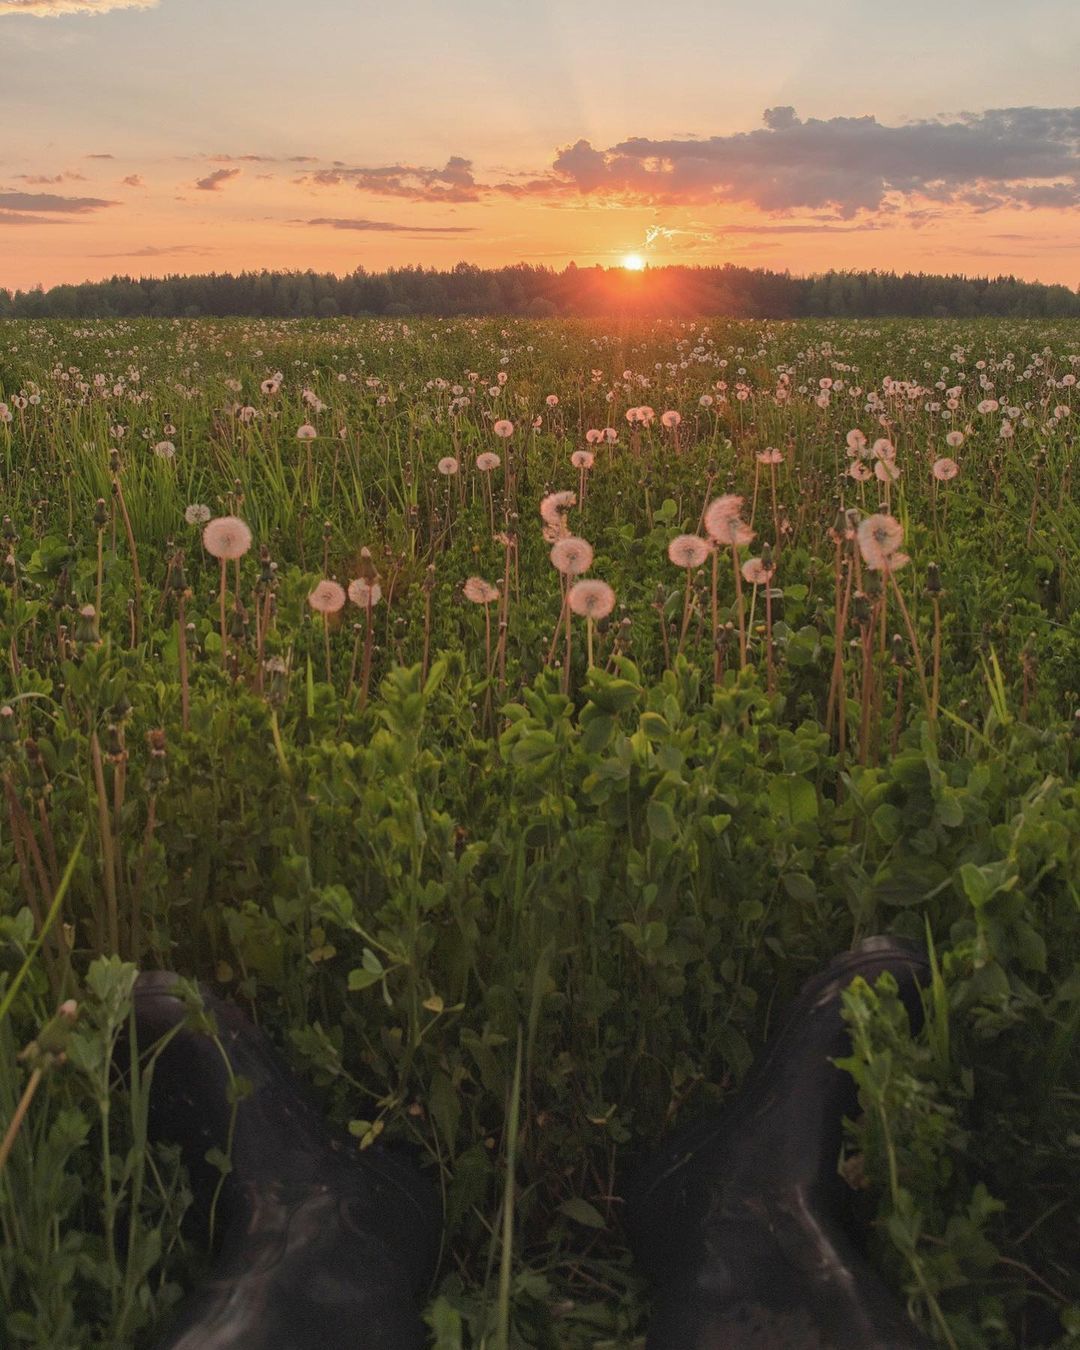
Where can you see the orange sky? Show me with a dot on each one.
(148, 137)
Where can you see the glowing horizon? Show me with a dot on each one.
(299, 137)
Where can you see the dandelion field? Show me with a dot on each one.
(485, 703)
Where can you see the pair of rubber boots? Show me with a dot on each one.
(738, 1219)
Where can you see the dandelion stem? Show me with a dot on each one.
(685, 614)
(715, 617)
(931, 710)
(770, 675)
(106, 836)
(100, 569)
(365, 674)
(136, 575)
(739, 604)
(566, 666)
(12, 1131)
(224, 628)
(181, 652)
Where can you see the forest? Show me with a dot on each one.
(542, 292)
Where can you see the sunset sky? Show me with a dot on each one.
(199, 135)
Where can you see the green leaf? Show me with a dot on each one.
(598, 731)
(445, 1107)
(888, 822)
(793, 799)
(582, 1212)
(949, 810)
(661, 820)
(800, 887)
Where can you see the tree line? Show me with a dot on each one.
(543, 292)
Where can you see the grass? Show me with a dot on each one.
(524, 912)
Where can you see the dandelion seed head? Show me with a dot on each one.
(591, 599)
(227, 537)
(327, 598)
(756, 573)
(856, 441)
(364, 593)
(879, 537)
(688, 550)
(479, 591)
(572, 555)
(722, 521)
(554, 505)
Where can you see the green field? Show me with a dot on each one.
(422, 836)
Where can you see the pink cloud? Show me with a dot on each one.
(45, 9)
(213, 181)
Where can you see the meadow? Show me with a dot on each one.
(511, 715)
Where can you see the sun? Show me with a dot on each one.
(633, 262)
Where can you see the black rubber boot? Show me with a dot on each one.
(738, 1218)
(323, 1247)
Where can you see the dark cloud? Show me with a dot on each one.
(213, 181)
(1026, 157)
(133, 180)
(338, 223)
(452, 183)
(100, 156)
(49, 201)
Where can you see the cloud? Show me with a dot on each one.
(213, 181)
(133, 180)
(800, 228)
(45, 180)
(337, 223)
(100, 156)
(838, 167)
(452, 183)
(158, 251)
(45, 9)
(49, 201)
(683, 239)
(24, 218)
(261, 159)
(1018, 157)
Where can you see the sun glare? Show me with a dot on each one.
(633, 262)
